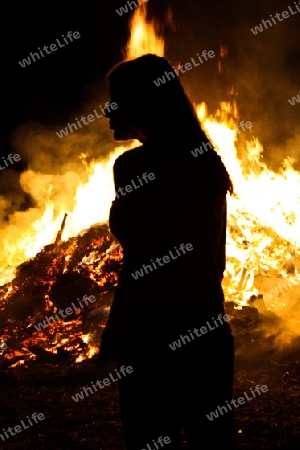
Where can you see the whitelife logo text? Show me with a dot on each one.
(11, 158)
(285, 15)
(124, 9)
(188, 66)
(162, 261)
(108, 106)
(17, 428)
(106, 382)
(199, 150)
(241, 401)
(161, 441)
(199, 332)
(53, 48)
(129, 187)
(292, 101)
(69, 311)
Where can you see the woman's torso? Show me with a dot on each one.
(154, 219)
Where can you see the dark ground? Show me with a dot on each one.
(269, 422)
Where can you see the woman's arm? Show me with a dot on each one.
(221, 249)
(116, 223)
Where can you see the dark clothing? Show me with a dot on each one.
(182, 205)
(172, 388)
(178, 206)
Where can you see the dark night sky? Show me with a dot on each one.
(51, 91)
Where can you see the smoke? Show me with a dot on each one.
(290, 148)
(53, 170)
(281, 298)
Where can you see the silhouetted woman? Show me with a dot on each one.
(172, 228)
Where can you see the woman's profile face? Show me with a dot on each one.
(122, 120)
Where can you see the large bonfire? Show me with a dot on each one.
(66, 254)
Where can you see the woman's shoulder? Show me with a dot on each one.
(128, 156)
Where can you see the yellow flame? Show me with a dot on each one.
(267, 207)
(144, 36)
(263, 220)
(93, 199)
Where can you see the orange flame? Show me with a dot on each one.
(144, 36)
(263, 222)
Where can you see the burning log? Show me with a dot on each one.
(58, 237)
(49, 358)
(84, 266)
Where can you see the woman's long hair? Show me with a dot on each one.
(162, 106)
